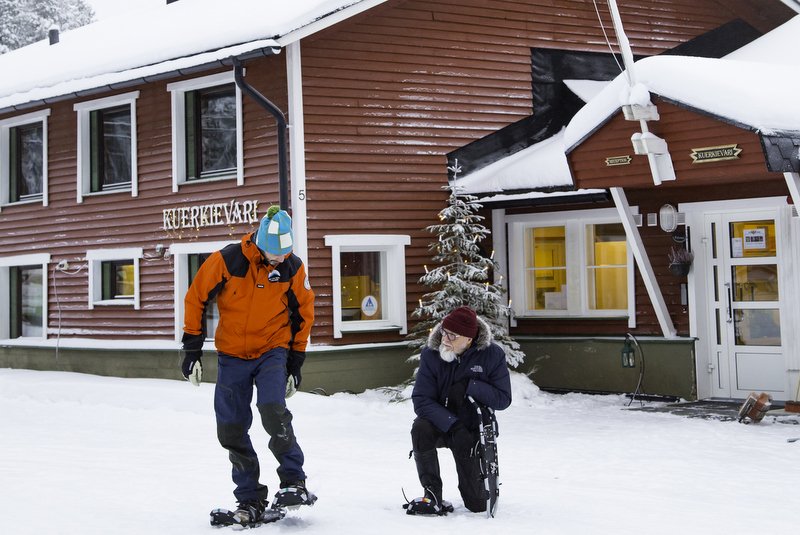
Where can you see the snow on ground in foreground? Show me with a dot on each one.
(82, 454)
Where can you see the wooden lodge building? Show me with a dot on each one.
(130, 149)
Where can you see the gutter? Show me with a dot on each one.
(261, 100)
(174, 73)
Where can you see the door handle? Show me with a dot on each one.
(730, 303)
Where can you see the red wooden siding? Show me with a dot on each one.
(684, 130)
(387, 95)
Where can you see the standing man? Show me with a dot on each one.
(266, 309)
(459, 360)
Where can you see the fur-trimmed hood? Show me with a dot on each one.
(483, 339)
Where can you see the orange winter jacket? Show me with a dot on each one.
(255, 315)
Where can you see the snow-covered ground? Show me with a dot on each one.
(81, 454)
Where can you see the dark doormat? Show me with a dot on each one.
(723, 411)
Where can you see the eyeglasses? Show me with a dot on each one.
(450, 336)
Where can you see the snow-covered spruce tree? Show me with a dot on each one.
(23, 22)
(461, 275)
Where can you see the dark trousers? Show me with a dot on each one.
(232, 398)
(425, 439)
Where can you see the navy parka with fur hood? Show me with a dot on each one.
(483, 366)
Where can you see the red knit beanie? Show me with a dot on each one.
(463, 321)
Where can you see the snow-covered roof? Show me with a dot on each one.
(149, 42)
(516, 172)
(747, 87)
(726, 87)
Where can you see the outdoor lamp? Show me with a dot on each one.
(628, 354)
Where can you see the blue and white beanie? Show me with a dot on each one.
(274, 235)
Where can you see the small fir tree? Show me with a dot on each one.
(461, 276)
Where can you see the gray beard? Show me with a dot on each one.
(447, 355)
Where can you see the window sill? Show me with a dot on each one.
(106, 192)
(221, 178)
(368, 326)
(37, 200)
(114, 302)
(567, 316)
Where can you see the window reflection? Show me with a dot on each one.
(758, 327)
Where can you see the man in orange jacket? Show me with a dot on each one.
(266, 309)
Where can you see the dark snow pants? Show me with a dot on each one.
(232, 398)
(425, 439)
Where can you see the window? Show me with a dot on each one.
(107, 145)
(114, 277)
(211, 319)
(570, 264)
(118, 279)
(206, 130)
(23, 296)
(23, 158)
(188, 258)
(369, 282)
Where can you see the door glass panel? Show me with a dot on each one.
(752, 239)
(755, 283)
(714, 241)
(758, 327)
(719, 329)
(716, 285)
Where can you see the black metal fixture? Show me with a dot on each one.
(629, 348)
(628, 354)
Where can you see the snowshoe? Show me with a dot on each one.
(487, 452)
(246, 515)
(428, 505)
(293, 495)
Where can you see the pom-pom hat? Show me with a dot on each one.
(463, 321)
(274, 234)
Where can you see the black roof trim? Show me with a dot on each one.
(782, 151)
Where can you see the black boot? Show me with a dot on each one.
(431, 503)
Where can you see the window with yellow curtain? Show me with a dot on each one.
(606, 267)
(546, 268)
(569, 264)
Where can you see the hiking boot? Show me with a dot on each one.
(249, 511)
(431, 504)
(292, 495)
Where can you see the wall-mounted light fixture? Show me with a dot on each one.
(668, 218)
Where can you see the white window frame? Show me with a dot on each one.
(5, 161)
(94, 258)
(41, 259)
(178, 90)
(393, 268)
(180, 253)
(84, 110)
(575, 223)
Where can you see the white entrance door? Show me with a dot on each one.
(744, 296)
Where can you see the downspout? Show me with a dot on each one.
(283, 175)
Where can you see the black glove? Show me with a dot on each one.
(461, 440)
(294, 361)
(457, 393)
(192, 367)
